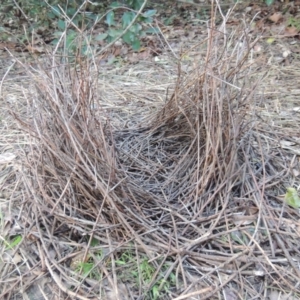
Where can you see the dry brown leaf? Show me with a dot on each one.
(10, 257)
(276, 17)
(257, 48)
(7, 45)
(31, 236)
(117, 51)
(79, 258)
(35, 49)
(17, 258)
(291, 31)
(243, 220)
(278, 29)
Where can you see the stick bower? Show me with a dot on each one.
(191, 186)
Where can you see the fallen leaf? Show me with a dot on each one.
(10, 257)
(270, 40)
(286, 143)
(257, 48)
(276, 17)
(78, 259)
(7, 45)
(6, 158)
(239, 219)
(295, 172)
(230, 294)
(17, 258)
(286, 53)
(291, 31)
(119, 293)
(277, 29)
(278, 295)
(292, 198)
(35, 49)
(117, 51)
(291, 146)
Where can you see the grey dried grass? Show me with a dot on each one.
(193, 183)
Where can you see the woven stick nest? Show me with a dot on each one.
(190, 184)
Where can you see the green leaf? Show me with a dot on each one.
(71, 36)
(71, 11)
(93, 17)
(173, 277)
(128, 37)
(114, 32)
(15, 241)
(145, 20)
(115, 4)
(50, 15)
(270, 40)
(61, 24)
(76, 21)
(155, 292)
(54, 42)
(56, 11)
(169, 21)
(136, 45)
(149, 13)
(110, 18)
(127, 18)
(292, 198)
(152, 30)
(136, 28)
(94, 242)
(269, 2)
(101, 36)
(237, 236)
(86, 268)
(57, 34)
(136, 4)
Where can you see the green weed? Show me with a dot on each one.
(142, 272)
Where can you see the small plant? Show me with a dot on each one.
(292, 198)
(293, 22)
(89, 268)
(15, 241)
(135, 32)
(56, 17)
(269, 2)
(143, 273)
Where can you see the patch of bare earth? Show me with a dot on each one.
(182, 170)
